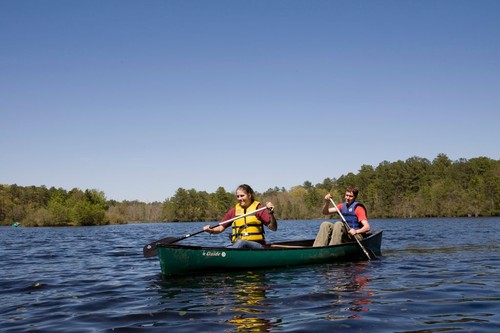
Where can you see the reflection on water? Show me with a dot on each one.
(236, 298)
(249, 302)
(351, 286)
(341, 291)
(261, 301)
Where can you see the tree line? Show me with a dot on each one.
(413, 188)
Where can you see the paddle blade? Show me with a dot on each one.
(150, 249)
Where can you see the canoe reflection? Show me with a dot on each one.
(235, 298)
(248, 307)
(268, 300)
(352, 287)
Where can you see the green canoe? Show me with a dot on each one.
(176, 259)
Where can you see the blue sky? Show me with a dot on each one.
(140, 98)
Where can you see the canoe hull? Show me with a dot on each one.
(181, 259)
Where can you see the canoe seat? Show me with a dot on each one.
(279, 246)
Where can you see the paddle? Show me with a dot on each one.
(150, 249)
(348, 228)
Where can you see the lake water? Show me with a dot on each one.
(434, 275)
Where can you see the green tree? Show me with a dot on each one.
(219, 203)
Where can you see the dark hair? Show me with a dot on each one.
(354, 191)
(247, 189)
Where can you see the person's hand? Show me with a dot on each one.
(208, 229)
(270, 207)
(328, 197)
(352, 231)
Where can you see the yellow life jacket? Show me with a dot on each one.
(248, 227)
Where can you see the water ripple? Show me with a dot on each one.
(94, 279)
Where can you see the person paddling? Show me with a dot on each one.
(355, 214)
(247, 232)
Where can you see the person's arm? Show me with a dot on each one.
(222, 226)
(364, 228)
(217, 230)
(326, 206)
(273, 223)
(327, 210)
(361, 215)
